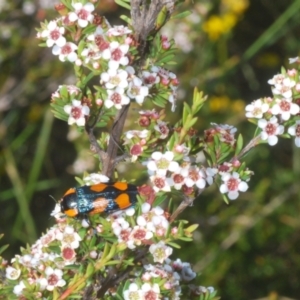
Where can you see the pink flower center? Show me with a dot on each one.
(66, 49)
(116, 98)
(53, 280)
(150, 295)
(178, 178)
(117, 54)
(136, 150)
(164, 129)
(68, 253)
(194, 175)
(298, 130)
(124, 235)
(83, 14)
(271, 129)
(285, 105)
(232, 184)
(55, 34)
(150, 79)
(101, 43)
(139, 234)
(159, 182)
(76, 112)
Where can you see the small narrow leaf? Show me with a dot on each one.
(123, 4)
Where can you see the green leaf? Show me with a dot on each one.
(123, 4)
(3, 248)
(174, 245)
(239, 145)
(181, 15)
(192, 228)
(126, 19)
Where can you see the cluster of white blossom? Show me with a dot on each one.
(43, 267)
(174, 274)
(279, 115)
(108, 51)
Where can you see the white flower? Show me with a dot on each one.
(133, 293)
(116, 98)
(161, 163)
(160, 251)
(256, 109)
(83, 14)
(210, 173)
(179, 177)
(116, 54)
(54, 278)
(95, 178)
(277, 79)
(151, 291)
(196, 177)
(12, 273)
(286, 108)
(284, 88)
(54, 34)
(19, 288)
(77, 112)
(66, 52)
(294, 60)
(115, 78)
(137, 91)
(149, 79)
(161, 183)
(142, 134)
(270, 130)
(91, 53)
(295, 131)
(69, 237)
(232, 184)
(118, 30)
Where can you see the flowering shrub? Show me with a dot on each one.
(127, 254)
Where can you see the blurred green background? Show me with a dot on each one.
(248, 249)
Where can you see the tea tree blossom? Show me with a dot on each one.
(77, 112)
(133, 292)
(232, 185)
(53, 279)
(161, 163)
(69, 237)
(12, 273)
(116, 98)
(137, 91)
(295, 131)
(54, 34)
(285, 108)
(160, 251)
(256, 109)
(151, 292)
(116, 55)
(82, 14)
(195, 177)
(114, 78)
(66, 52)
(270, 130)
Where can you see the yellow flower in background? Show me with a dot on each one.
(216, 26)
(213, 27)
(236, 6)
(219, 104)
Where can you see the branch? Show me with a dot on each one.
(115, 277)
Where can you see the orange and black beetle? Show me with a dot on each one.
(98, 198)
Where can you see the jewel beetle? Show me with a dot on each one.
(98, 198)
